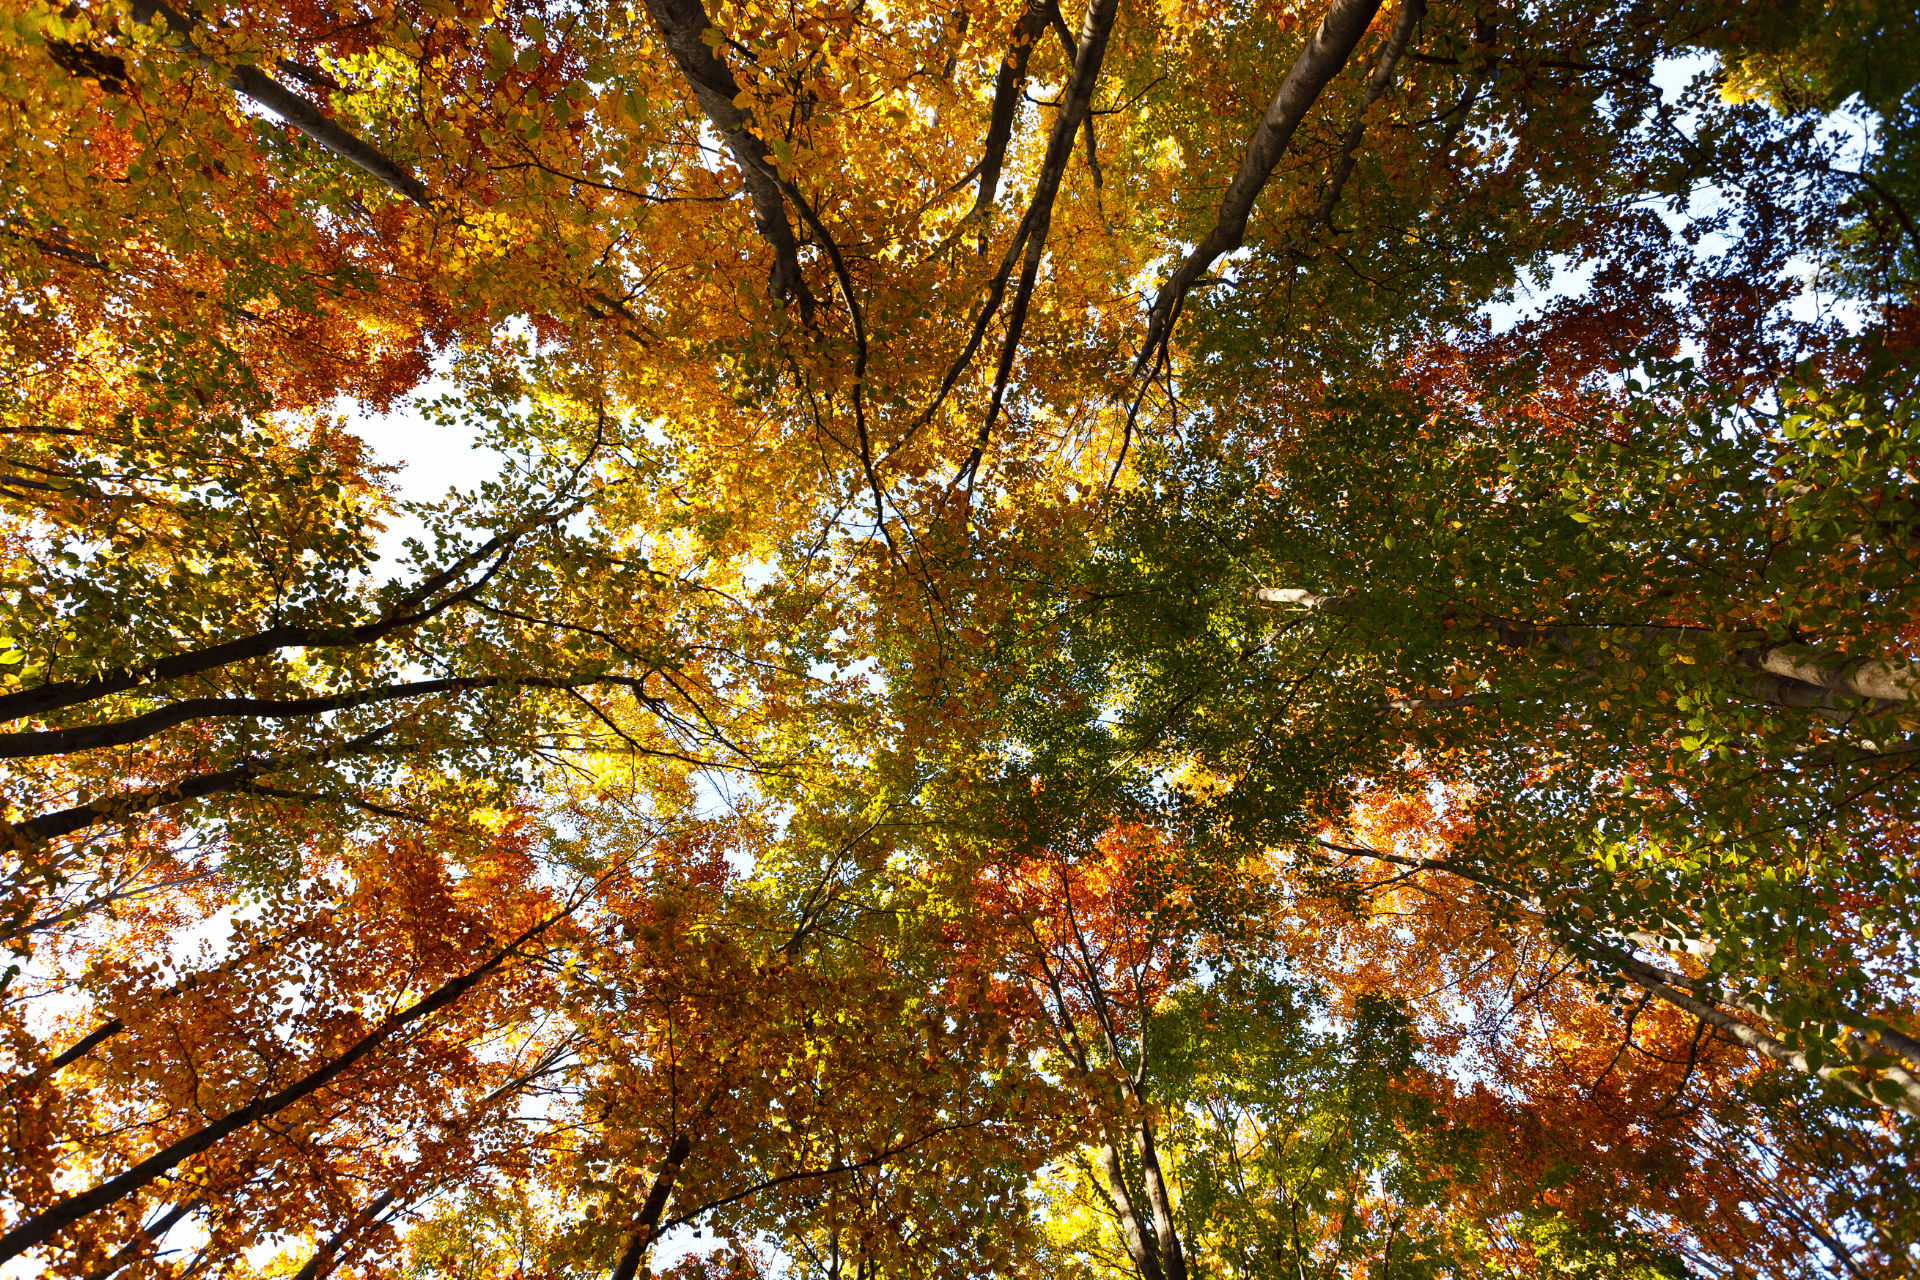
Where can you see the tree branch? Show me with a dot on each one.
(1007, 83)
(1322, 59)
(42, 700)
(290, 107)
(1904, 1090)
(119, 733)
(1095, 30)
(235, 780)
(43, 1226)
(156, 1230)
(683, 25)
(1411, 14)
(1818, 675)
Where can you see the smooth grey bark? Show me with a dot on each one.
(1323, 58)
(1667, 987)
(1163, 1252)
(324, 1256)
(86, 1045)
(682, 25)
(289, 106)
(1904, 1045)
(1139, 1245)
(1886, 681)
(119, 733)
(1166, 1234)
(1799, 676)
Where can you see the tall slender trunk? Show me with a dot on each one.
(1140, 1246)
(329, 1255)
(1164, 1230)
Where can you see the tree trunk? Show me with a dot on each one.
(656, 1204)
(1167, 1234)
(1802, 677)
(324, 1255)
(1140, 1246)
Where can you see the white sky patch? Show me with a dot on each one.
(434, 460)
(1568, 278)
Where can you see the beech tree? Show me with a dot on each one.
(1728, 737)
(999, 502)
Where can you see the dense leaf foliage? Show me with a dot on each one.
(1157, 641)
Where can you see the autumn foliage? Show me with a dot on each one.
(1162, 640)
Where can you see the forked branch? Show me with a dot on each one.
(1007, 83)
(1075, 104)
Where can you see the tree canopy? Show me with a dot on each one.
(1168, 641)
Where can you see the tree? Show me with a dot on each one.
(945, 441)
(259, 1090)
(1696, 734)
